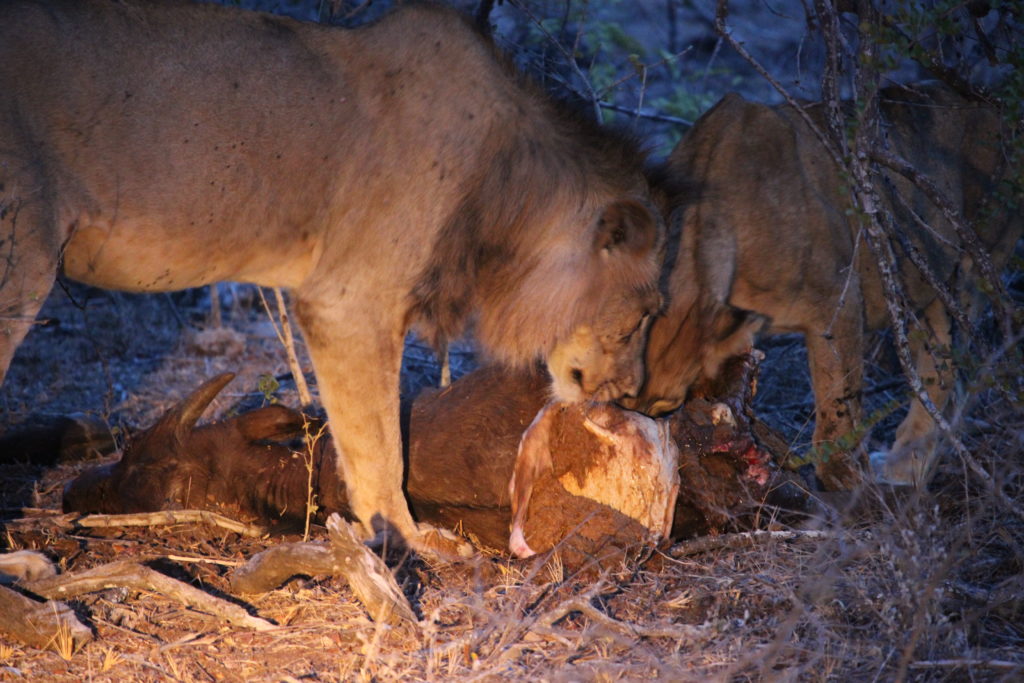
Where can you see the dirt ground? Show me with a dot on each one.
(923, 588)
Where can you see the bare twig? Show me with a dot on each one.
(748, 539)
(568, 56)
(287, 339)
(649, 115)
(828, 21)
(867, 199)
(204, 560)
(968, 664)
(921, 263)
(309, 459)
(583, 605)
(642, 71)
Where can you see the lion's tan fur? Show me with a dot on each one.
(766, 241)
(393, 176)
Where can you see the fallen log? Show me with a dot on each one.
(127, 574)
(44, 625)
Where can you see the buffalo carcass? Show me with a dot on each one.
(593, 481)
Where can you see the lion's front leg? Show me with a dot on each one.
(357, 356)
(836, 364)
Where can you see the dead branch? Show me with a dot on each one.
(135, 576)
(828, 22)
(866, 147)
(40, 624)
(305, 398)
(367, 575)
(346, 556)
(74, 520)
(867, 198)
(740, 541)
(944, 293)
(544, 625)
(267, 570)
(642, 72)
(170, 517)
(203, 560)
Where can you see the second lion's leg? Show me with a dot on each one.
(913, 451)
(836, 364)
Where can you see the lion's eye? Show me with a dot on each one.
(639, 326)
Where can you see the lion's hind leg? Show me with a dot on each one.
(913, 452)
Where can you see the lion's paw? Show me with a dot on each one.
(907, 463)
(889, 468)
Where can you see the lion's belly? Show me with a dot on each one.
(143, 257)
(128, 260)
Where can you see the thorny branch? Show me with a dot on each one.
(723, 29)
(964, 231)
(597, 99)
(570, 59)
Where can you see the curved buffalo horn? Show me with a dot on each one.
(188, 412)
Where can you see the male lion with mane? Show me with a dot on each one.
(767, 242)
(395, 176)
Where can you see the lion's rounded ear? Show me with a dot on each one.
(626, 225)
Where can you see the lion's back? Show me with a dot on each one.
(769, 203)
